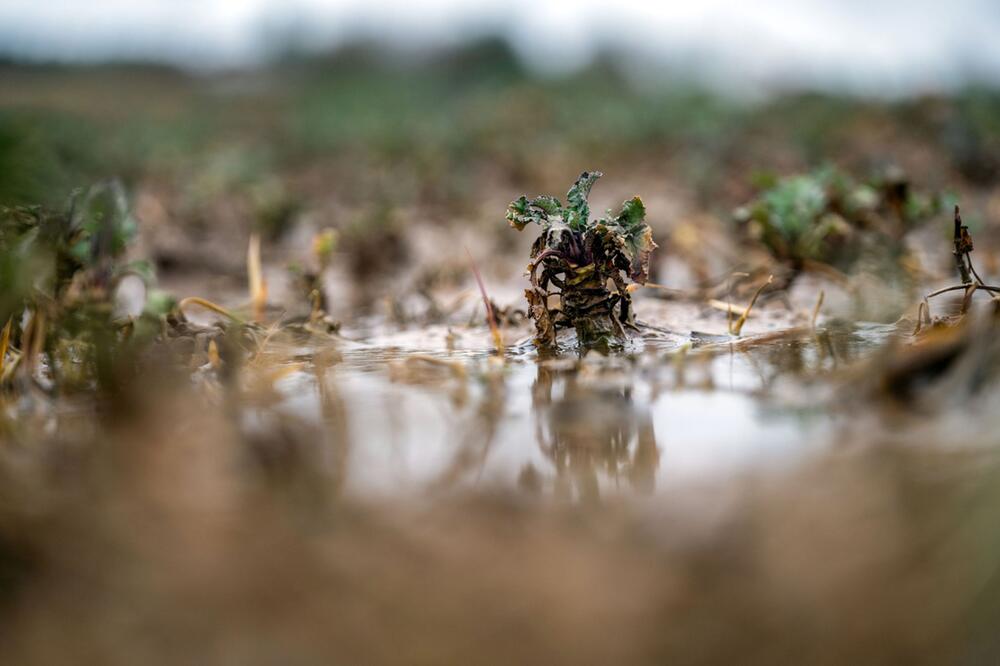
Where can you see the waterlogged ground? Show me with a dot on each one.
(435, 409)
(819, 489)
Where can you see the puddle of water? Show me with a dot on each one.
(423, 417)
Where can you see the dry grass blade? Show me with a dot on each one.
(922, 311)
(490, 316)
(738, 326)
(967, 298)
(751, 341)
(34, 339)
(271, 331)
(255, 277)
(209, 305)
(4, 344)
(680, 293)
(729, 299)
(819, 304)
(8, 368)
(213, 355)
(726, 307)
(264, 380)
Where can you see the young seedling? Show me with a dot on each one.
(575, 259)
(971, 282)
(827, 220)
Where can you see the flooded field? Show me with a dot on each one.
(293, 370)
(668, 409)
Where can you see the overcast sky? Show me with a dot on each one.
(865, 45)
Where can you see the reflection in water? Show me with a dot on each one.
(303, 459)
(813, 355)
(478, 434)
(587, 427)
(391, 420)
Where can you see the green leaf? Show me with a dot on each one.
(577, 208)
(103, 216)
(541, 210)
(143, 268)
(633, 212)
(80, 250)
(795, 204)
(550, 205)
(159, 303)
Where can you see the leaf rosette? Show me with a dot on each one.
(581, 267)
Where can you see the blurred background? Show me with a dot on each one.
(382, 118)
(882, 47)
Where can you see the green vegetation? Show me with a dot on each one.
(826, 216)
(61, 271)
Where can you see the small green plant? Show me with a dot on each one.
(576, 258)
(828, 217)
(60, 270)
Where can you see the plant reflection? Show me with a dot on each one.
(591, 430)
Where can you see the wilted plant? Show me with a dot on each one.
(971, 282)
(579, 257)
